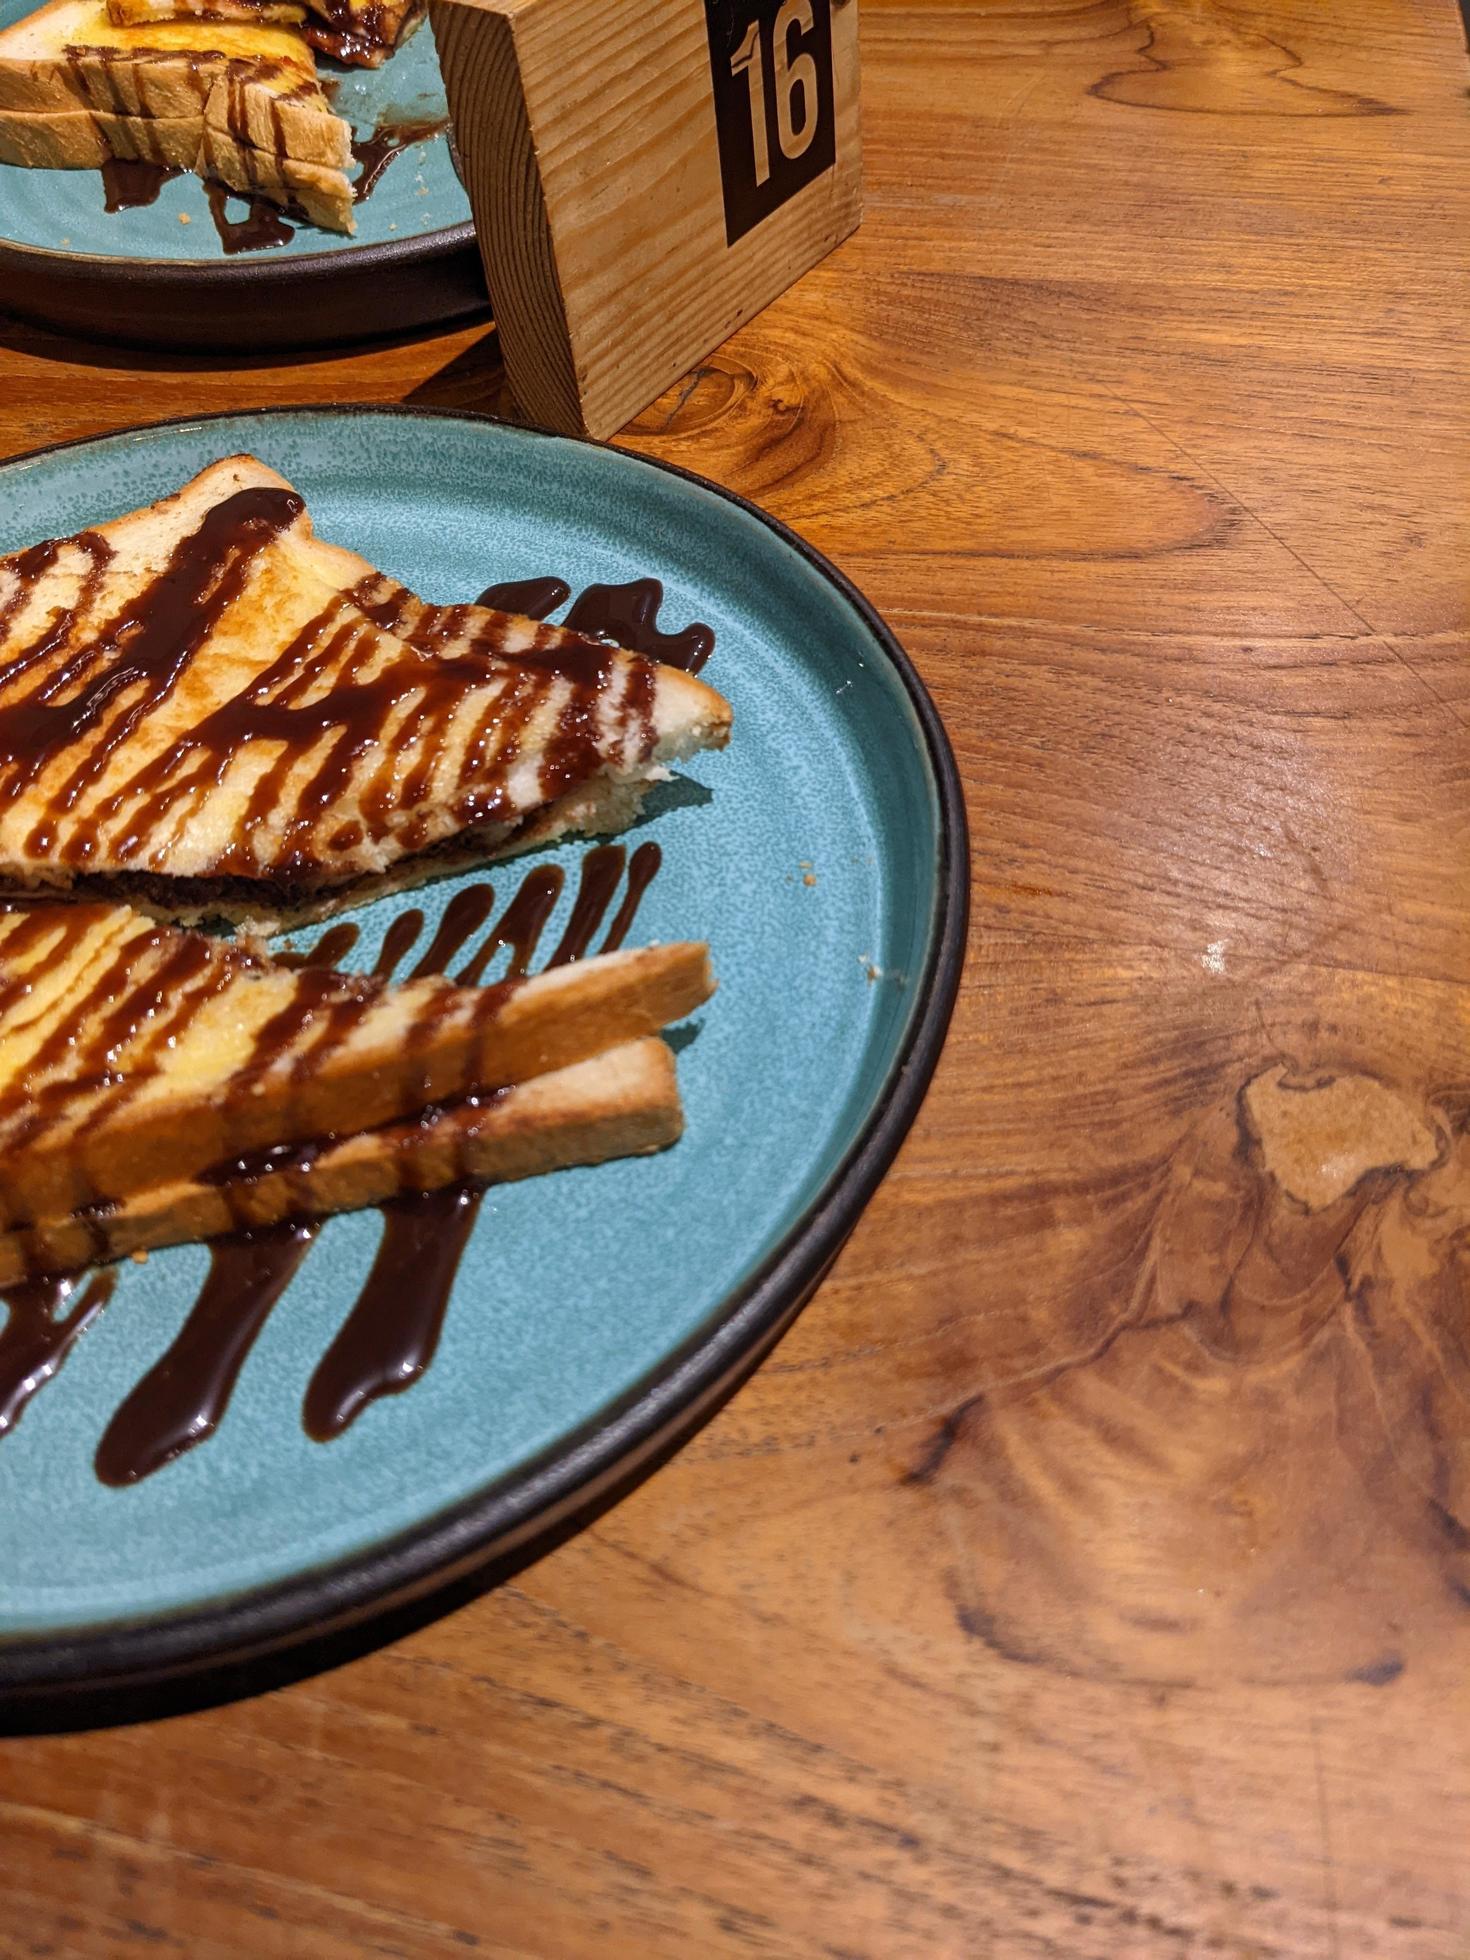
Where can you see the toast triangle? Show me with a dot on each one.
(198, 715)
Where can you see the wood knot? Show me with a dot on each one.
(1319, 1136)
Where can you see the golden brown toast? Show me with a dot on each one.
(202, 711)
(89, 138)
(134, 1056)
(621, 1103)
(246, 89)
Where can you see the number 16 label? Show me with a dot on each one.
(772, 67)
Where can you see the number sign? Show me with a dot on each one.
(625, 229)
(771, 62)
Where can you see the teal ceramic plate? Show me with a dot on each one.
(598, 1313)
(160, 274)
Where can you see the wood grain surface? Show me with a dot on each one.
(1088, 1574)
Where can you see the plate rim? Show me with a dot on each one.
(119, 269)
(528, 1508)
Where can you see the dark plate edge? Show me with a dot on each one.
(433, 281)
(263, 270)
(519, 1513)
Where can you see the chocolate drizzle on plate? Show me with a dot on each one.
(465, 913)
(602, 873)
(263, 225)
(329, 951)
(390, 1336)
(397, 940)
(532, 598)
(520, 926)
(180, 1400)
(42, 1326)
(377, 151)
(622, 615)
(129, 183)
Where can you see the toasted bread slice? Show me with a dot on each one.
(90, 138)
(195, 714)
(323, 195)
(252, 81)
(621, 1103)
(134, 1055)
(68, 55)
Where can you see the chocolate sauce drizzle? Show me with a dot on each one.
(397, 940)
(390, 1335)
(377, 151)
(623, 615)
(519, 928)
(180, 1400)
(329, 951)
(531, 598)
(263, 225)
(465, 913)
(129, 183)
(41, 1329)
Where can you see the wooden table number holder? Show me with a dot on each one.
(645, 175)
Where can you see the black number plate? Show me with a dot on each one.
(772, 67)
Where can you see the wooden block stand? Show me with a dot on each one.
(645, 175)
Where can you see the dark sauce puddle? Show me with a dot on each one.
(129, 184)
(41, 1328)
(263, 225)
(389, 1337)
(180, 1400)
(377, 151)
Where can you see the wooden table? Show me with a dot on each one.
(1088, 1572)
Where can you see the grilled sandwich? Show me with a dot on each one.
(237, 101)
(208, 712)
(157, 1085)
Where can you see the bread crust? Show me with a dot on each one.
(344, 1054)
(624, 1102)
(201, 869)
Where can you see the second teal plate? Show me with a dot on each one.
(159, 274)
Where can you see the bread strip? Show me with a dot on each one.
(323, 195)
(86, 139)
(202, 1103)
(621, 1103)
